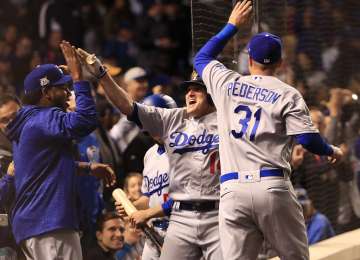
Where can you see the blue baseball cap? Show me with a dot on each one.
(44, 76)
(265, 48)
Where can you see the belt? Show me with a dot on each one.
(161, 223)
(201, 206)
(251, 177)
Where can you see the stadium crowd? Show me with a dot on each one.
(146, 45)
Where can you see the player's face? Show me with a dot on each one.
(134, 187)
(112, 235)
(8, 113)
(196, 101)
(137, 89)
(59, 96)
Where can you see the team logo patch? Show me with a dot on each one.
(194, 75)
(44, 81)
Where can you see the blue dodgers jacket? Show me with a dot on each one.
(45, 179)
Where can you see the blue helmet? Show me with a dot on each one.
(160, 100)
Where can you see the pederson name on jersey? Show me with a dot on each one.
(250, 92)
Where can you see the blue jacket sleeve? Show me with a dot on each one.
(167, 206)
(7, 188)
(213, 47)
(76, 124)
(313, 142)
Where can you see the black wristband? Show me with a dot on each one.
(102, 70)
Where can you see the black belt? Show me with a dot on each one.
(202, 206)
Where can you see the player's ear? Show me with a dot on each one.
(99, 236)
(251, 62)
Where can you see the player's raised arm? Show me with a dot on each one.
(239, 15)
(114, 92)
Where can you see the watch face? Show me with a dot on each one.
(4, 220)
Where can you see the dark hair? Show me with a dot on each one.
(105, 217)
(32, 98)
(6, 98)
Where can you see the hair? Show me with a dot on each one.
(105, 217)
(267, 67)
(129, 176)
(32, 97)
(6, 98)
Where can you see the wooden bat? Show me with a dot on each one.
(120, 196)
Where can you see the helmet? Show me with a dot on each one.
(160, 100)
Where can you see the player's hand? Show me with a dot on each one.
(241, 13)
(120, 209)
(139, 217)
(11, 169)
(72, 60)
(91, 63)
(337, 155)
(104, 172)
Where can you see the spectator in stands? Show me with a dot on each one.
(9, 105)
(134, 244)
(121, 46)
(110, 237)
(131, 142)
(7, 194)
(318, 226)
(132, 185)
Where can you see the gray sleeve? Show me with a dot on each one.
(154, 120)
(297, 117)
(215, 77)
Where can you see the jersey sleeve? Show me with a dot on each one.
(155, 120)
(297, 117)
(216, 76)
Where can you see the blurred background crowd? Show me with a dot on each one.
(147, 46)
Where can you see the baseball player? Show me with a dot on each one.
(191, 141)
(155, 183)
(260, 118)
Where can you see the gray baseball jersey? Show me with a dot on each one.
(258, 115)
(192, 147)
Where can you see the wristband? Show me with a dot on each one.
(103, 71)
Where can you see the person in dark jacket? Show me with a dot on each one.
(44, 216)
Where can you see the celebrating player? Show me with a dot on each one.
(191, 142)
(259, 119)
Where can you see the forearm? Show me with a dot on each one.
(154, 212)
(83, 168)
(213, 47)
(117, 96)
(142, 203)
(314, 143)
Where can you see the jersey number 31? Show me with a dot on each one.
(245, 122)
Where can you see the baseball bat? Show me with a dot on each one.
(120, 196)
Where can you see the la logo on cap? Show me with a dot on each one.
(44, 81)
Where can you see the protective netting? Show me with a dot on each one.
(321, 59)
